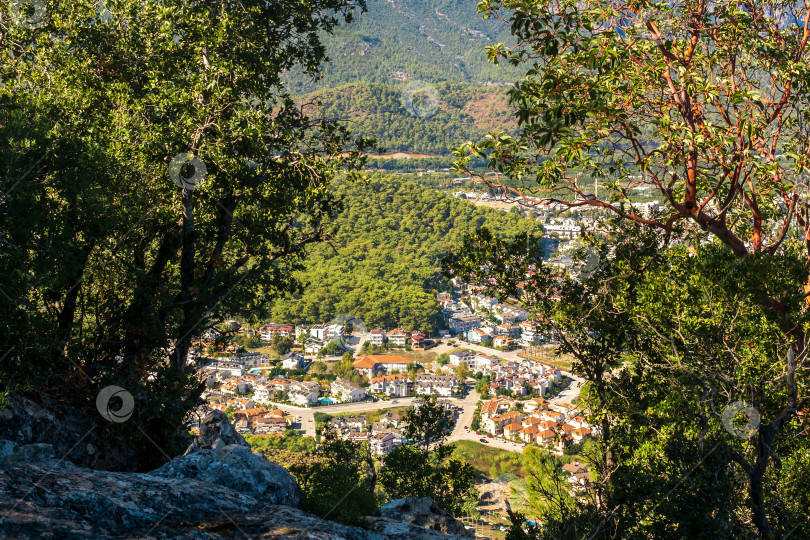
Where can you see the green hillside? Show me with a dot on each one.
(396, 44)
(461, 113)
(437, 41)
(382, 267)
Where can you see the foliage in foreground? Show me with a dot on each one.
(110, 266)
(426, 468)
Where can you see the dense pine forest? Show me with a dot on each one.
(381, 266)
(440, 41)
(462, 112)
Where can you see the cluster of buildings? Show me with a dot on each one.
(383, 435)
(518, 377)
(399, 338)
(539, 422)
(388, 375)
(472, 320)
(250, 419)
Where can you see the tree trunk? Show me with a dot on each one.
(183, 343)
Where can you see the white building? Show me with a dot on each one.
(377, 337)
(440, 385)
(464, 324)
(530, 334)
(302, 393)
(294, 360)
(462, 356)
(344, 390)
(398, 337)
(390, 385)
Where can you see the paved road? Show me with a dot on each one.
(307, 414)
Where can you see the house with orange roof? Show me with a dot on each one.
(250, 413)
(377, 337)
(535, 404)
(398, 337)
(510, 431)
(580, 433)
(391, 385)
(546, 436)
(495, 424)
(529, 434)
(374, 363)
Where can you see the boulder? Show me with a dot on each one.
(216, 431)
(69, 433)
(390, 528)
(49, 501)
(424, 511)
(238, 468)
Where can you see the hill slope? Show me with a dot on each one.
(439, 43)
(392, 235)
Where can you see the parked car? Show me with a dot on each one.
(393, 401)
(483, 440)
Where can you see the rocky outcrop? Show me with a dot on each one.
(238, 468)
(218, 489)
(67, 431)
(424, 512)
(65, 501)
(216, 431)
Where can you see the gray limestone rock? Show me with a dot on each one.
(423, 511)
(240, 469)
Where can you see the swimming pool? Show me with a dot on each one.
(326, 401)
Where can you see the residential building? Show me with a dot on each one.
(302, 393)
(377, 337)
(374, 363)
(382, 443)
(345, 390)
(418, 339)
(271, 330)
(535, 404)
(398, 337)
(320, 332)
(503, 342)
(293, 360)
(530, 333)
(367, 366)
(313, 346)
(440, 385)
(510, 431)
(495, 424)
(529, 434)
(477, 335)
(458, 357)
(463, 324)
(390, 385)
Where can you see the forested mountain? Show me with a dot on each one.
(382, 265)
(442, 44)
(436, 41)
(463, 112)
